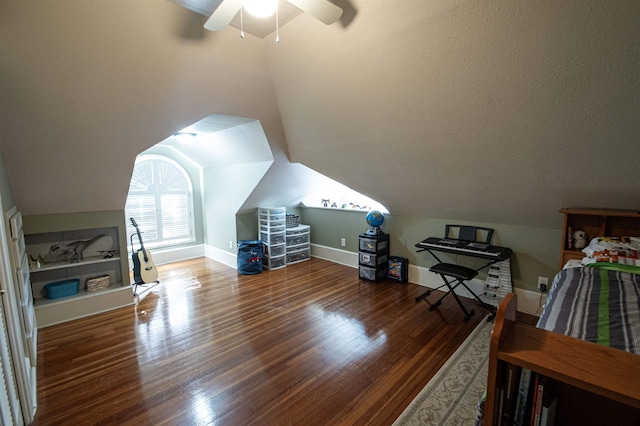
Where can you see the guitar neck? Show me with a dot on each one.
(140, 240)
(142, 249)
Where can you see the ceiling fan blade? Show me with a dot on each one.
(222, 16)
(322, 10)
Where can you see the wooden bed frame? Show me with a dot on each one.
(595, 384)
(596, 223)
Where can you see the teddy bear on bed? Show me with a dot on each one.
(579, 240)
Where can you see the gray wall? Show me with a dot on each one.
(226, 189)
(536, 250)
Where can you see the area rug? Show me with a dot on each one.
(452, 395)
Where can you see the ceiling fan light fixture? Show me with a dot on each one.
(260, 8)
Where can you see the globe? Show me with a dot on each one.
(375, 218)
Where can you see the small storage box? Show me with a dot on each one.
(273, 251)
(99, 282)
(272, 213)
(293, 220)
(374, 244)
(273, 238)
(299, 256)
(274, 262)
(370, 259)
(372, 274)
(398, 269)
(296, 240)
(60, 289)
(300, 229)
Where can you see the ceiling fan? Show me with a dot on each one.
(322, 10)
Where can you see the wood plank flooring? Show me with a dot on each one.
(309, 344)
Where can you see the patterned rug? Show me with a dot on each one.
(452, 395)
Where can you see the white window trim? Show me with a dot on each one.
(166, 243)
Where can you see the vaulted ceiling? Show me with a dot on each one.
(491, 111)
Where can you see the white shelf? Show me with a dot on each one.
(95, 263)
(51, 312)
(41, 302)
(64, 265)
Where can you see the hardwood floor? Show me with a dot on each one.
(307, 344)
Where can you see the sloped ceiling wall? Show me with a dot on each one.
(491, 111)
(86, 86)
(494, 111)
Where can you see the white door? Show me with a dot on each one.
(10, 412)
(23, 373)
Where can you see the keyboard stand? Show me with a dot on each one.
(460, 274)
(455, 275)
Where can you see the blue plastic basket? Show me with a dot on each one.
(60, 289)
(249, 257)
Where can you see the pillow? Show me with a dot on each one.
(623, 250)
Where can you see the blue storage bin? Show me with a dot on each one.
(249, 257)
(60, 289)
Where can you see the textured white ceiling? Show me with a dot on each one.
(223, 141)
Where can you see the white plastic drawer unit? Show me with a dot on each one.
(272, 214)
(296, 240)
(272, 237)
(274, 250)
(273, 262)
(298, 230)
(272, 227)
(298, 256)
(275, 211)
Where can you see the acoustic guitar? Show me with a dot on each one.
(144, 271)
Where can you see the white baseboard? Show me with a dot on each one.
(343, 257)
(529, 302)
(222, 256)
(162, 257)
(175, 255)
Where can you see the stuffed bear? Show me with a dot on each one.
(579, 240)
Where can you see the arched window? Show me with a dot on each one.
(160, 200)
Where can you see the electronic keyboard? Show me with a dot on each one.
(466, 248)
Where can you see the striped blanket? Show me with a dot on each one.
(597, 305)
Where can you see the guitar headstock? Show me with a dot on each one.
(133, 222)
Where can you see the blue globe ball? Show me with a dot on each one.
(375, 218)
